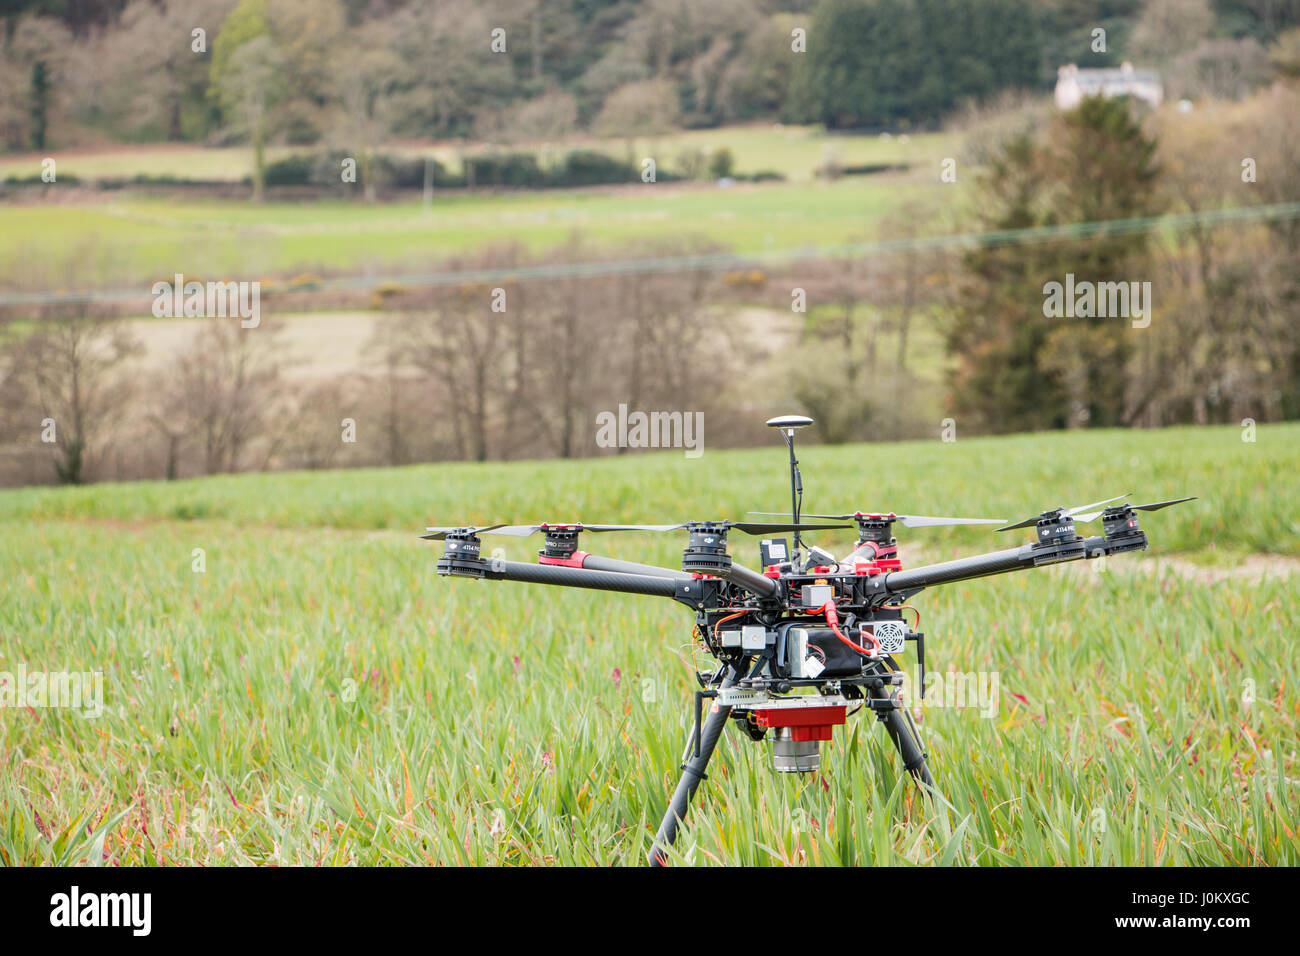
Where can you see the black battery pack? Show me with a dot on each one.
(836, 658)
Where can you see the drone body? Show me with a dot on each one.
(802, 641)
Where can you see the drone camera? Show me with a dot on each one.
(794, 756)
(798, 730)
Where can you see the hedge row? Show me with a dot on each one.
(511, 170)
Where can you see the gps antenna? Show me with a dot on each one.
(787, 424)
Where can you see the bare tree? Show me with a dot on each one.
(68, 369)
(153, 67)
(370, 72)
(250, 87)
(224, 393)
(389, 345)
(452, 342)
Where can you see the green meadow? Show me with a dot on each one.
(125, 238)
(286, 679)
(132, 236)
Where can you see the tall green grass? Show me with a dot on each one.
(319, 695)
(1246, 490)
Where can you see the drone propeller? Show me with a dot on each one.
(1155, 506)
(1061, 513)
(635, 527)
(757, 527)
(524, 530)
(907, 521)
(745, 527)
(440, 534)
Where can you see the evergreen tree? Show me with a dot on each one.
(1019, 369)
(891, 62)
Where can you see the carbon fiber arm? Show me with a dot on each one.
(996, 562)
(499, 570)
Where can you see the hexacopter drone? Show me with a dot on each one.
(801, 641)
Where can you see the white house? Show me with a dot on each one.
(1073, 84)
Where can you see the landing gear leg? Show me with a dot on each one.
(697, 758)
(903, 733)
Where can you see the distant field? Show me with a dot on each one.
(319, 695)
(98, 239)
(137, 238)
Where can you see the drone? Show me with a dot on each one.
(808, 640)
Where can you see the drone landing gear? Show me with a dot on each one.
(705, 737)
(902, 732)
(703, 742)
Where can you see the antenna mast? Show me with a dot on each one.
(787, 424)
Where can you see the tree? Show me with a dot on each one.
(158, 81)
(245, 62)
(889, 62)
(756, 82)
(1220, 69)
(1234, 351)
(37, 51)
(545, 118)
(1019, 369)
(450, 73)
(1284, 54)
(453, 338)
(310, 37)
(648, 108)
(249, 89)
(370, 72)
(224, 393)
(842, 325)
(1170, 27)
(399, 387)
(69, 371)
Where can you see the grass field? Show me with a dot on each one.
(319, 695)
(136, 237)
(120, 238)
